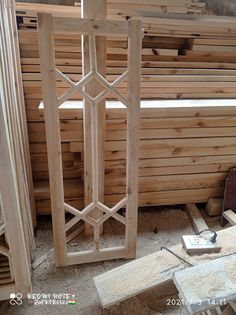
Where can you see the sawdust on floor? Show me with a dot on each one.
(169, 225)
(230, 270)
(207, 287)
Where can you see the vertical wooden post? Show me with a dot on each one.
(134, 50)
(47, 63)
(94, 10)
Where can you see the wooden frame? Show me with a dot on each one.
(133, 30)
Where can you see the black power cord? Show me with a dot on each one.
(214, 236)
(180, 258)
(212, 240)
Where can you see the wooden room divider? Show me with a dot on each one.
(47, 25)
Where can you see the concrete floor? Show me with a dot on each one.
(157, 227)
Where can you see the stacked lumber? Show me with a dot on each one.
(176, 76)
(185, 152)
(12, 97)
(136, 7)
(16, 228)
(173, 58)
(117, 9)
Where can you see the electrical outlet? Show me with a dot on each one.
(195, 244)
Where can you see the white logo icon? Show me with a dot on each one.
(16, 299)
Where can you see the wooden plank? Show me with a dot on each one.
(169, 148)
(20, 268)
(86, 26)
(172, 197)
(233, 305)
(92, 11)
(53, 136)
(211, 282)
(134, 75)
(13, 103)
(153, 271)
(214, 206)
(230, 216)
(196, 218)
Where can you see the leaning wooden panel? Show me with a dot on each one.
(134, 74)
(51, 103)
(12, 246)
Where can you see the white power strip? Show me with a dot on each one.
(197, 244)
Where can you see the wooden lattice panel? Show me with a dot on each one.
(92, 29)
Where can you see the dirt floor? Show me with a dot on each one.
(157, 227)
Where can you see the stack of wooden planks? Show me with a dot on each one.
(186, 151)
(176, 61)
(16, 227)
(136, 7)
(121, 9)
(13, 107)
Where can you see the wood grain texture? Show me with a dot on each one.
(201, 137)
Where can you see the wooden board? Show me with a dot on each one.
(207, 286)
(196, 218)
(154, 270)
(230, 216)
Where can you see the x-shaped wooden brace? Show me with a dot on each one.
(108, 88)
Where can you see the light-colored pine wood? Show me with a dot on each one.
(92, 11)
(10, 204)
(196, 218)
(214, 206)
(153, 271)
(53, 135)
(181, 76)
(134, 74)
(230, 216)
(86, 27)
(13, 104)
(49, 73)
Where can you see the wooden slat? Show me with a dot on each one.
(53, 136)
(93, 88)
(87, 26)
(196, 218)
(230, 216)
